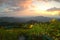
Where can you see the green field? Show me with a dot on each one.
(34, 31)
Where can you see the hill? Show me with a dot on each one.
(26, 19)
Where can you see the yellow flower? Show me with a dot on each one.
(30, 26)
(53, 21)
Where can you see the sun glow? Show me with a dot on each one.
(41, 8)
(38, 6)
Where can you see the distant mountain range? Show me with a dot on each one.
(26, 19)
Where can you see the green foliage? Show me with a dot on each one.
(38, 29)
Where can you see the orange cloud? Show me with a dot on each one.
(25, 4)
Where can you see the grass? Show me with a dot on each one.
(52, 30)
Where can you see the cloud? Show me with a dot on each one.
(10, 3)
(13, 2)
(57, 0)
(19, 7)
(54, 9)
(50, 0)
(11, 9)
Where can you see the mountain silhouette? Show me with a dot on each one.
(26, 19)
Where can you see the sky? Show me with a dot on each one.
(24, 8)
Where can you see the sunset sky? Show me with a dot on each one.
(23, 8)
